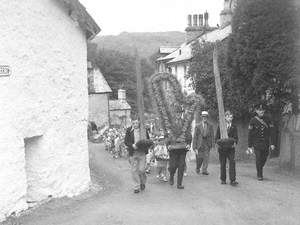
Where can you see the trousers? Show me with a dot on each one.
(261, 156)
(223, 156)
(202, 160)
(138, 169)
(176, 162)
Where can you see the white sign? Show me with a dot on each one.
(4, 70)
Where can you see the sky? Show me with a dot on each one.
(116, 16)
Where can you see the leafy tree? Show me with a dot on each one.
(260, 54)
(201, 71)
(263, 50)
(119, 71)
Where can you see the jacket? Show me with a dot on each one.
(200, 141)
(129, 141)
(232, 133)
(261, 133)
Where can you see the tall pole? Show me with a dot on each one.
(223, 129)
(139, 90)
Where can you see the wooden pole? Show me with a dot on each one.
(139, 89)
(223, 129)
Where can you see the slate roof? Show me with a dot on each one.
(184, 52)
(100, 85)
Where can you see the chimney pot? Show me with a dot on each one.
(206, 19)
(200, 20)
(195, 20)
(189, 20)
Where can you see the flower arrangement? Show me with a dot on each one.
(163, 107)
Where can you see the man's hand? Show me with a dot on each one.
(134, 146)
(272, 147)
(188, 147)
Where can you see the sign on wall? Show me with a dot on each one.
(4, 70)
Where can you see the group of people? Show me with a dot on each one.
(201, 139)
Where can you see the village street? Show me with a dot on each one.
(203, 201)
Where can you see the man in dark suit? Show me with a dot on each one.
(260, 138)
(228, 153)
(202, 143)
(137, 155)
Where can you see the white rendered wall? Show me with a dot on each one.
(46, 95)
(98, 109)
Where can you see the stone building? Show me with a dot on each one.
(44, 101)
(120, 110)
(99, 91)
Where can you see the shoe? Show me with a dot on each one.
(197, 171)
(180, 187)
(171, 180)
(260, 178)
(143, 186)
(223, 182)
(136, 191)
(234, 183)
(165, 179)
(185, 174)
(205, 173)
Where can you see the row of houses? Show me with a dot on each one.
(176, 60)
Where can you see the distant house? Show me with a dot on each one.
(44, 101)
(197, 31)
(119, 110)
(99, 91)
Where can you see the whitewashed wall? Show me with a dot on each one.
(45, 97)
(98, 109)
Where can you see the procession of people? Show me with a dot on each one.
(170, 154)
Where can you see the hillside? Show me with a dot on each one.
(147, 43)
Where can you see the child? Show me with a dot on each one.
(161, 156)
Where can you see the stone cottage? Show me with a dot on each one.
(44, 101)
(120, 110)
(99, 91)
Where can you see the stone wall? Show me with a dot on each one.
(44, 105)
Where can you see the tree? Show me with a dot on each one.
(262, 50)
(201, 72)
(119, 71)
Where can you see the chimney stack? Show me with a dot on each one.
(206, 19)
(195, 20)
(200, 20)
(121, 94)
(189, 20)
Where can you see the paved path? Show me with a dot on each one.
(204, 201)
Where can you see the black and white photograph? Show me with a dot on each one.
(161, 112)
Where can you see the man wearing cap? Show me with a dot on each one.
(260, 138)
(203, 142)
(228, 153)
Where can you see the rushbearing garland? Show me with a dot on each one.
(165, 112)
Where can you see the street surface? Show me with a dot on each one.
(204, 201)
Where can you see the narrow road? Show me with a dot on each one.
(275, 201)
